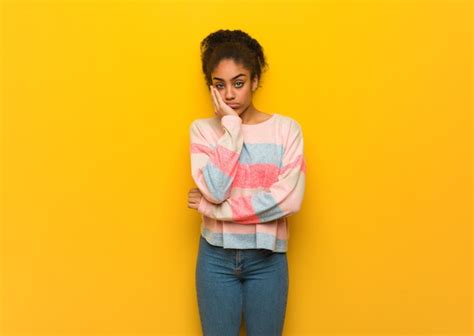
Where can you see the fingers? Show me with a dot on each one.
(193, 201)
(220, 101)
(194, 198)
(218, 97)
(214, 99)
(193, 205)
(194, 190)
(220, 107)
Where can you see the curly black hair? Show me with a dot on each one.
(232, 44)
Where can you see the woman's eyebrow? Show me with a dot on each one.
(231, 78)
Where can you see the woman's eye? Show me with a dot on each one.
(218, 86)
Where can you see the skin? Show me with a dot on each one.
(227, 89)
(238, 90)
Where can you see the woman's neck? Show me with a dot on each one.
(251, 115)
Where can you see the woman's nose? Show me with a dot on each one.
(229, 94)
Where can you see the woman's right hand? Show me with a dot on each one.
(220, 107)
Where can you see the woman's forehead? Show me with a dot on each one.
(228, 69)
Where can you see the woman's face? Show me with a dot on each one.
(233, 83)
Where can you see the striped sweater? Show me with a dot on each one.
(252, 177)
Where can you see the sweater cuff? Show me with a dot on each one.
(231, 122)
(202, 205)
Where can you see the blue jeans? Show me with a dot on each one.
(236, 283)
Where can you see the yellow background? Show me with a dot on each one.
(96, 102)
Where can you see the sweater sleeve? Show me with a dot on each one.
(283, 198)
(214, 165)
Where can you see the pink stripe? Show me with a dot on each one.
(256, 175)
(298, 162)
(198, 148)
(223, 158)
(247, 176)
(242, 206)
(277, 227)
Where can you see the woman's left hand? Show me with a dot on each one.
(194, 198)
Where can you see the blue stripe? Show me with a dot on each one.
(258, 153)
(254, 153)
(217, 181)
(265, 203)
(262, 153)
(245, 241)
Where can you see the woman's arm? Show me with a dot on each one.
(214, 166)
(283, 198)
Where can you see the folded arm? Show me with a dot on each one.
(214, 166)
(283, 198)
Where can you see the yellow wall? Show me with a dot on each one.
(97, 98)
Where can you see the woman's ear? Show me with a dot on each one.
(255, 83)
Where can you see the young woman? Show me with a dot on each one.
(250, 172)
